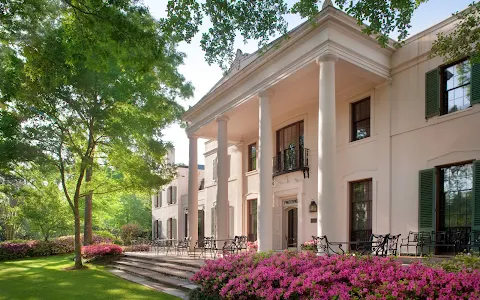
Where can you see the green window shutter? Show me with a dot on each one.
(476, 195)
(169, 228)
(174, 228)
(475, 92)
(426, 209)
(213, 222)
(432, 93)
(159, 229)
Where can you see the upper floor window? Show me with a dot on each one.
(252, 157)
(172, 195)
(452, 87)
(361, 119)
(290, 138)
(456, 86)
(202, 184)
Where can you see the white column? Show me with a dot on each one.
(326, 145)
(238, 212)
(223, 230)
(193, 190)
(264, 203)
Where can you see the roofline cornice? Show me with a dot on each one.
(330, 15)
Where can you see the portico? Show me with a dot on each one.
(306, 82)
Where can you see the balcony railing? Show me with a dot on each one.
(291, 160)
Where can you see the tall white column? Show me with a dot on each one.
(223, 230)
(326, 145)
(193, 189)
(239, 213)
(264, 203)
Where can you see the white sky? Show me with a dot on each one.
(203, 76)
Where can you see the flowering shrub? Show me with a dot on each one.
(458, 263)
(95, 251)
(137, 248)
(252, 246)
(309, 245)
(130, 232)
(293, 275)
(20, 249)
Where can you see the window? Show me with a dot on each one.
(449, 202)
(252, 220)
(290, 147)
(215, 165)
(361, 210)
(159, 196)
(361, 119)
(252, 157)
(155, 229)
(456, 86)
(202, 184)
(172, 228)
(172, 195)
(456, 200)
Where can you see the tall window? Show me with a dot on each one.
(252, 157)
(172, 195)
(155, 229)
(361, 119)
(252, 220)
(290, 145)
(456, 86)
(361, 210)
(456, 199)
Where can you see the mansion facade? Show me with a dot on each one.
(330, 134)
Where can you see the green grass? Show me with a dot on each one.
(46, 278)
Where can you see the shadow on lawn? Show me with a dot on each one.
(45, 278)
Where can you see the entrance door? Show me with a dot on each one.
(201, 225)
(292, 227)
(454, 217)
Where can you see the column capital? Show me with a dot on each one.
(222, 119)
(192, 136)
(265, 94)
(328, 56)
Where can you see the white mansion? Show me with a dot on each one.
(331, 134)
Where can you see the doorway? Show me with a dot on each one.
(292, 227)
(201, 226)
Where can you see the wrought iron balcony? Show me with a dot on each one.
(291, 160)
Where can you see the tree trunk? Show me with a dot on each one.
(87, 230)
(78, 239)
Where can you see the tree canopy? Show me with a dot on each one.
(93, 85)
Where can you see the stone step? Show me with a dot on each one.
(161, 264)
(182, 261)
(154, 267)
(175, 282)
(151, 284)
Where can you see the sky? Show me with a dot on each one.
(203, 76)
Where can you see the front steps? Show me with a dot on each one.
(168, 274)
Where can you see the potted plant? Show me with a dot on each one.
(309, 246)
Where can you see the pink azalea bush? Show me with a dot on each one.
(100, 250)
(252, 246)
(293, 275)
(35, 248)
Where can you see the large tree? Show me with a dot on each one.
(96, 83)
(261, 21)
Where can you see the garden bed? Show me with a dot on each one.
(293, 275)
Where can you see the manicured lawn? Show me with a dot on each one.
(46, 278)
